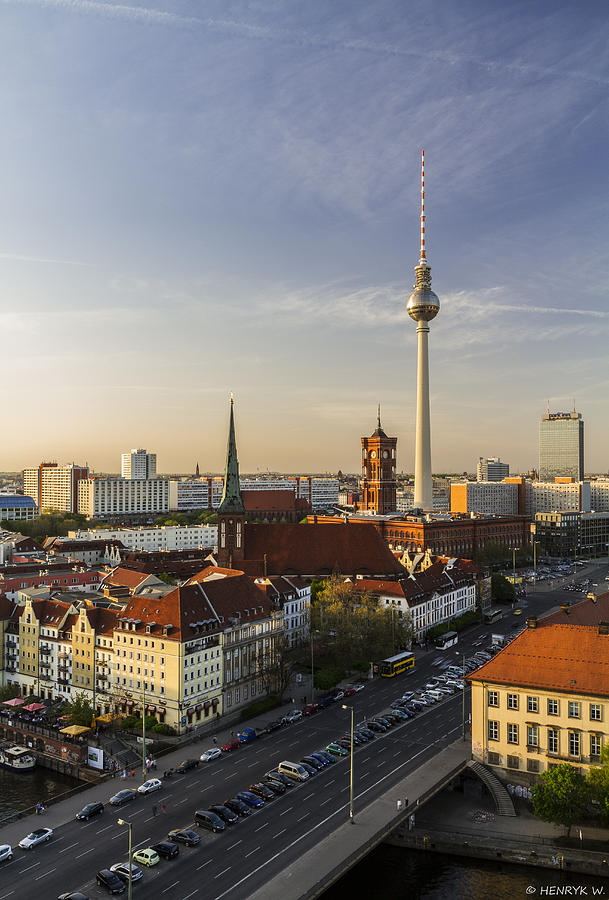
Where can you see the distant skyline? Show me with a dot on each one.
(215, 196)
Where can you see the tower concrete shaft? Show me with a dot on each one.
(423, 488)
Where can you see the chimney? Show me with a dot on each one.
(532, 622)
(603, 627)
(564, 608)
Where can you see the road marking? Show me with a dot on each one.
(245, 857)
(331, 782)
(97, 832)
(285, 811)
(276, 835)
(312, 794)
(84, 853)
(183, 801)
(72, 845)
(196, 891)
(363, 774)
(327, 801)
(33, 866)
(260, 827)
(9, 894)
(251, 765)
(181, 778)
(223, 872)
(202, 866)
(365, 759)
(396, 754)
(170, 887)
(232, 846)
(45, 875)
(302, 817)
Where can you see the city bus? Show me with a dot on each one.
(395, 665)
(493, 615)
(446, 640)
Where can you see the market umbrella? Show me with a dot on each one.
(16, 701)
(74, 730)
(34, 707)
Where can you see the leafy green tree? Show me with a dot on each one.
(598, 779)
(9, 691)
(80, 711)
(561, 796)
(502, 590)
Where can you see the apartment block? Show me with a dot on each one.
(108, 497)
(54, 487)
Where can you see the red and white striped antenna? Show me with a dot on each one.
(423, 259)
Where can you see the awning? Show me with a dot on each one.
(189, 712)
(106, 719)
(161, 711)
(130, 702)
(151, 708)
(215, 701)
(16, 701)
(207, 704)
(74, 730)
(198, 707)
(34, 707)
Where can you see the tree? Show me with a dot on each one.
(275, 667)
(9, 691)
(598, 779)
(502, 590)
(561, 796)
(80, 711)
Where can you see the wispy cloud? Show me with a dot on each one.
(20, 257)
(114, 11)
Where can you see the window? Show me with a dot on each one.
(493, 731)
(512, 733)
(532, 736)
(595, 712)
(513, 762)
(574, 743)
(595, 745)
(494, 759)
(574, 709)
(532, 704)
(553, 707)
(512, 701)
(493, 698)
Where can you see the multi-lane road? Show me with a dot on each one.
(240, 860)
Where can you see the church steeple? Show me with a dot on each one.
(231, 512)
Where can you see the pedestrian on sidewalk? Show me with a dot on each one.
(215, 739)
(124, 773)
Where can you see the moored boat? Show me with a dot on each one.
(18, 759)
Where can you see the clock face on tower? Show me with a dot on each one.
(373, 454)
(385, 454)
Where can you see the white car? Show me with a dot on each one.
(153, 784)
(360, 686)
(6, 852)
(294, 716)
(38, 836)
(122, 870)
(213, 753)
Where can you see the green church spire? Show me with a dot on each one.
(232, 501)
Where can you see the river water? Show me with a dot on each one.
(391, 872)
(21, 790)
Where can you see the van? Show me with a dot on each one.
(437, 695)
(293, 770)
(205, 818)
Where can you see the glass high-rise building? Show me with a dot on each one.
(561, 446)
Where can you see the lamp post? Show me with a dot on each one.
(535, 544)
(144, 769)
(129, 826)
(312, 633)
(351, 814)
(462, 655)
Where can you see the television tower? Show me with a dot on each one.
(423, 306)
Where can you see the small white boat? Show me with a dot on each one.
(18, 759)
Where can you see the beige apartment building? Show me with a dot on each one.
(543, 700)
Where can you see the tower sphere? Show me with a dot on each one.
(423, 305)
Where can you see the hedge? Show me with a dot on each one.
(260, 706)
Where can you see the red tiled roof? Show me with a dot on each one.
(213, 572)
(293, 549)
(570, 658)
(6, 607)
(128, 578)
(49, 612)
(102, 619)
(586, 612)
(181, 608)
(237, 597)
(375, 586)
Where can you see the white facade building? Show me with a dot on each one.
(100, 497)
(206, 493)
(165, 537)
(485, 497)
(599, 496)
(138, 464)
(54, 487)
(550, 496)
(491, 469)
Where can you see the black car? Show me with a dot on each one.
(166, 849)
(367, 733)
(346, 745)
(393, 718)
(205, 818)
(73, 895)
(91, 809)
(321, 759)
(276, 786)
(311, 761)
(187, 764)
(226, 814)
(261, 790)
(184, 836)
(327, 756)
(110, 880)
(281, 778)
(363, 738)
(376, 726)
(272, 726)
(308, 768)
(238, 806)
(123, 797)
(383, 721)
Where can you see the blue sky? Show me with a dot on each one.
(205, 197)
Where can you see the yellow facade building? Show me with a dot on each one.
(543, 700)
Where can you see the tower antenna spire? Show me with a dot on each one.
(423, 258)
(379, 416)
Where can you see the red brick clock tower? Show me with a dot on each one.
(378, 471)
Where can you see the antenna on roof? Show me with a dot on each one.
(548, 407)
(378, 420)
(423, 259)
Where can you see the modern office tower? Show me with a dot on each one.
(53, 486)
(138, 464)
(378, 471)
(491, 469)
(423, 306)
(561, 446)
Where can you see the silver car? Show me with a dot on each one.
(38, 836)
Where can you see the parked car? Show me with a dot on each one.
(294, 716)
(367, 732)
(311, 770)
(73, 895)
(122, 797)
(148, 787)
(90, 810)
(6, 852)
(276, 786)
(246, 735)
(320, 759)
(337, 750)
(122, 870)
(239, 807)
(186, 836)
(349, 692)
(38, 836)
(166, 849)
(147, 856)
(205, 818)
(250, 799)
(359, 687)
(327, 756)
(375, 726)
(363, 737)
(275, 725)
(231, 745)
(325, 701)
(210, 754)
(227, 815)
(110, 881)
(285, 780)
(186, 765)
(261, 790)
(310, 708)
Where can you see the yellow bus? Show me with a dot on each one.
(395, 665)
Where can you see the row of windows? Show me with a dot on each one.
(574, 707)
(574, 738)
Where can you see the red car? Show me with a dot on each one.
(231, 745)
(350, 692)
(310, 708)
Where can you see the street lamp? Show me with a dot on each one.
(129, 826)
(312, 632)
(351, 816)
(462, 655)
(535, 545)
